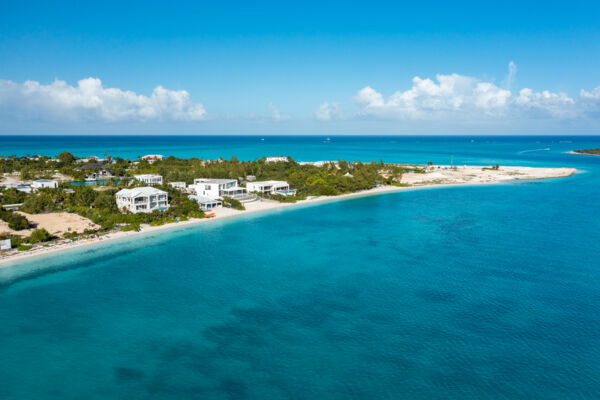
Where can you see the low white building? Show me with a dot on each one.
(178, 185)
(205, 203)
(217, 188)
(276, 159)
(149, 179)
(5, 244)
(153, 157)
(44, 183)
(19, 187)
(270, 187)
(142, 199)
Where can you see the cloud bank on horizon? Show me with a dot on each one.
(458, 97)
(90, 101)
(448, 99)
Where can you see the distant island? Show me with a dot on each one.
(47, 204)
(589, 152)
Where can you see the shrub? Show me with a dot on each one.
(23, 247)
(233, 203)
(130, 227)
(39, 235)
(326, 191)
(196, 214)
(17, 222)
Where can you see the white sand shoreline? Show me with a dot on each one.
(12, 260)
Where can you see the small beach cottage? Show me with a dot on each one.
(143, 199)
(205, 203)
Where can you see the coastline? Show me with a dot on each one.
(581, 154)
(255, 208)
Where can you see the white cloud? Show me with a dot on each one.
(458, 97)
(553, 104)
(328, 111)
(89, 101)
(451, 95)
(594, 95)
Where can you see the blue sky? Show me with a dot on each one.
(300, 67)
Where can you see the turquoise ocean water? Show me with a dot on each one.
(456, 293)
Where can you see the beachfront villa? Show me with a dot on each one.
(149, 179)
(178, 185)
(217, 188)
(205, 203)
(142, 199)
(44, 183)
(271, 187)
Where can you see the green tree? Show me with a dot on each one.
(66, 157)
(11, 196)
(38, 203)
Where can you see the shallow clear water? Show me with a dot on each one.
(460, 293)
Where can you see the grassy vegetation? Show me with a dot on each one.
(588, 151)
(494, 168)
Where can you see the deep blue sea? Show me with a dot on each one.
(482, 292)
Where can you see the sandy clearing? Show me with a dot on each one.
(55, 223)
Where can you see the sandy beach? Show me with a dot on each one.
(442, 176)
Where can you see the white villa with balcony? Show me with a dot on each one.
(149, 179)
(271, 187)
(142, 199)
(217, 188)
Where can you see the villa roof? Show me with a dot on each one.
(202, 199)
(140, 191)
(210, 180)
(269, 183)
(92, 166)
